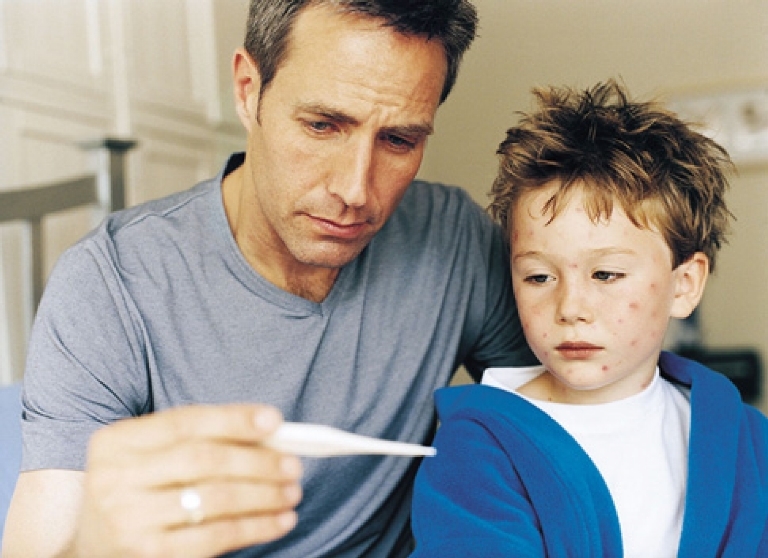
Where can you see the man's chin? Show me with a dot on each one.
(331, 257)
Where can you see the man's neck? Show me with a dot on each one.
(310, 282)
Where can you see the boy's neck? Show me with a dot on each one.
(547, 387)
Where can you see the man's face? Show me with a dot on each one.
(340, 134)
(595, 298)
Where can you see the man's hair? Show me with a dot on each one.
(661, 172)
(452, 22)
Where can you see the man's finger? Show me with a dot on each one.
(219, 501)
(218, 537)
(195, 461)
(233, 423)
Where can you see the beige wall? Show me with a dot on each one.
(658, 48)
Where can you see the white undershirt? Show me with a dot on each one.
(640, 446)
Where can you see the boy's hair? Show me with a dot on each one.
(452, 22)
(661, 172)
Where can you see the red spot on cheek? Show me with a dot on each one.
(515, 236)
(605, 368)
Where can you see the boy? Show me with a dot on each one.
(614, 211)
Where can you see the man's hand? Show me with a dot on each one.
(191, 481)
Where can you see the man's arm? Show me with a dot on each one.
(43, 512)
(128, 502)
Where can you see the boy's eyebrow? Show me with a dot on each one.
(527, 254)
(336, 115)
(611, 250)
(607, 251)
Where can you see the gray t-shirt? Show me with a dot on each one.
(158, 307)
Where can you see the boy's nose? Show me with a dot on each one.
(573, 306)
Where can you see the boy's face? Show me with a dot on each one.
(595, 298)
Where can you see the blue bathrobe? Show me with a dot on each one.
(510, 481)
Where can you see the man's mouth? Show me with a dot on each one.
(340, 230)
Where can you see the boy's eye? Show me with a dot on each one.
(607, 276)
(538, 279)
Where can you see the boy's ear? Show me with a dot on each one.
(247, 85)
(691, 278)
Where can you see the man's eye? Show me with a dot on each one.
(399, 142)
(607, 276)
(319, 126)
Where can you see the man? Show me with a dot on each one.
(310, 280)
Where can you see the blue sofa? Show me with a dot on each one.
(10, 446)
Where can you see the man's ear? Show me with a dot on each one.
(247, 85)
(691, 278)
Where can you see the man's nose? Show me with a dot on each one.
(352, 180)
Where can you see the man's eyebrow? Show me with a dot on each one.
(411, 130)
(336, 115)
(325, 111)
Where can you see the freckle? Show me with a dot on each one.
(515, 236)
(545, 335)
(634, 306)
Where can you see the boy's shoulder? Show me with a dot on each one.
(715, 400)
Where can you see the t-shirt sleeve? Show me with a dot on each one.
(84, 360)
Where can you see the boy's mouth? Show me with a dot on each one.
(577, 350)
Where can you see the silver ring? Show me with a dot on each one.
(192, 503)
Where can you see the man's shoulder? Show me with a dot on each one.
(437, 192)
(140, 233)
(185, 206)
(438, 207)
(191, 200)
